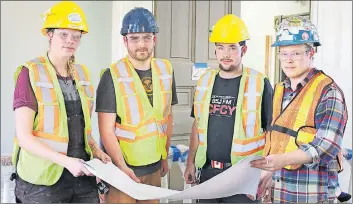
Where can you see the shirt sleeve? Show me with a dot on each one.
(105, 101)
(23, 93)
(330, 120)
(267, 105)
(174, 93)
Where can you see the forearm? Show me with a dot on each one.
(106, 123)
(93, 145)
(194, 143)
(113, 149)
(169, 131)
(297, 157)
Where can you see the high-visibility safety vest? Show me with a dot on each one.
(295, 125)
(248, 136)
(50, 124)
(142, 134)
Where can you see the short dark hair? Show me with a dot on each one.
(49, 30)
(241, 43)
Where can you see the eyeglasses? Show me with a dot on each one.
(64, 36)
(231, 50)
(296, 55)
(136, 39)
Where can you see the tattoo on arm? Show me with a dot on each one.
(93, 145)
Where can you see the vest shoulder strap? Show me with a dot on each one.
(36, 63)
(83, 74)
(305, 101)
(255, 73)
(209, 72)
(164, 67)
(121, 69)
(102, 72)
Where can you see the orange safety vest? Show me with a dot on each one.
(142, 133)
(295, 125)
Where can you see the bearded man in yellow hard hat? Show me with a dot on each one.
(232, 108)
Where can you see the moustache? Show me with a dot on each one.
(142, 50)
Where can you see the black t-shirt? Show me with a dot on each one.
(106, 102)
(222, 116)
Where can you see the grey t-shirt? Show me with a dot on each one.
(105, 102)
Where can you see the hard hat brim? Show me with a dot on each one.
(286, 43)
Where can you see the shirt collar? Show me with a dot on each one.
(310, 75)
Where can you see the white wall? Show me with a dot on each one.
(259, 18)
(334, 57)
(21, 40)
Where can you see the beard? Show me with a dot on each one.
(138, 56)
(229, 69)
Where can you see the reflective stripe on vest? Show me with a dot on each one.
(86, 85)
(134, 116)
(57, 146)
(295, 125)
(251, 102)
(248, 137)
(48, 107)
(248, 147)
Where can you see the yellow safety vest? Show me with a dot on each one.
(295, 125)
(248, 136)
(142, 134)
(50, 124)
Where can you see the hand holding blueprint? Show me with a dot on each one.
(238, 179)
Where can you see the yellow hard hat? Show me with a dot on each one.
(65, 14)
(229, 29)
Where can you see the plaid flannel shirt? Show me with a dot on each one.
(315, 182)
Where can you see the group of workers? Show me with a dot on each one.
(297, 127)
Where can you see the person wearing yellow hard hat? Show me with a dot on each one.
(232, 108)
(301, 155)
(53, 101)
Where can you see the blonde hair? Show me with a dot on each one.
(71, 66)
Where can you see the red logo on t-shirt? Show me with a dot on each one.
(222, 105)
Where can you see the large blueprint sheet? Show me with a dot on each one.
(239, 179)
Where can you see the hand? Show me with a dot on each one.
(76, 167)
(250, 197)
(164, 167)
(99, 154)
(130, 173)
(189, 174)
(272, 162)
(265, 184)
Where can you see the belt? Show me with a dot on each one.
(219, 165)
